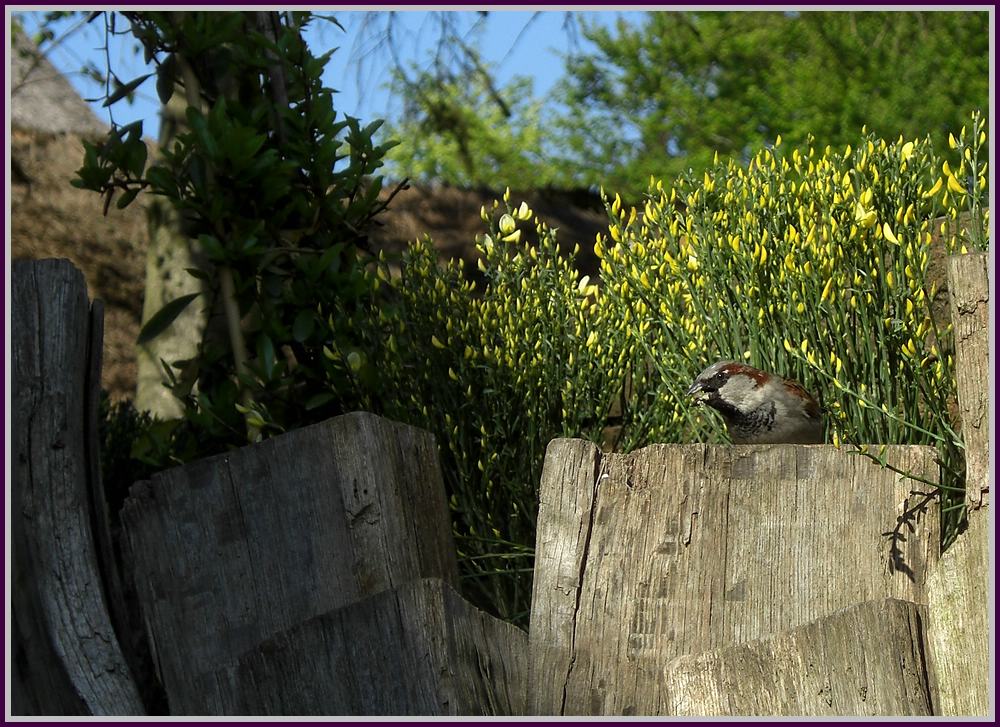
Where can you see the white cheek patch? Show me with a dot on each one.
(744, 390)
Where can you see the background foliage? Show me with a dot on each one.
(457, 132)
(664, 96)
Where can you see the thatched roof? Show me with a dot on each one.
(42, 99)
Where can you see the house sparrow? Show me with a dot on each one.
(758, 407)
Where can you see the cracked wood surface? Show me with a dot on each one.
(66, 659)
(958, 626)
(866, 660)
(232, 549)
(679, 549)
(418, 649)
(958, 587)
(969, 290)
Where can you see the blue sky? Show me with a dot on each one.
(513, 42)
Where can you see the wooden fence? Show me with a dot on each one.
(315, 573)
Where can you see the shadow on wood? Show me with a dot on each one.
(681, 549)
(418, 649)
(66, 659)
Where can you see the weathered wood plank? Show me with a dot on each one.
(969, 291)
(419, 649)
(66, 658)
(569, 485)
(866, 660)
(679, 549)
(234, 548)
(958, 586)
(958, 624)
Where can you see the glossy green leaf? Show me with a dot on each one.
(162, 319)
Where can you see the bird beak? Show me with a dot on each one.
(697, 390)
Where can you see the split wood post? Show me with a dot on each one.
(418, 649)
(66, 657)
(958, 587)
(679, 549)
(867, 660)
(235, 548)
(969, 292)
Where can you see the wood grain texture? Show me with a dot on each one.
(235, 548)
(969, 291)
(866, 660)
(958, 624)
(679, 549)
(418, 649)
(66, 658)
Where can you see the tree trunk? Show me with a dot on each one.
(169, 255)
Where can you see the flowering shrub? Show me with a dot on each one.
(495, 373)
(815, 266)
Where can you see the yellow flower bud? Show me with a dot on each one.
(889, 235)
(826, 290)
(933, 190)
(864, 217)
